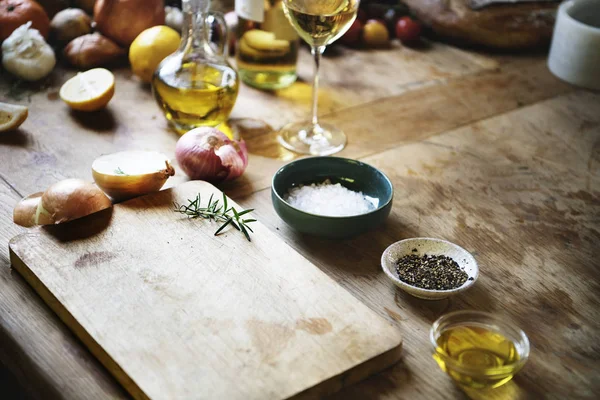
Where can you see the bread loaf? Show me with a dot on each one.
(504, 26)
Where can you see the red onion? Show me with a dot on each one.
(207, 154)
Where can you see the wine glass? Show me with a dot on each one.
(318, 22)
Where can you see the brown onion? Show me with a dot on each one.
(24, 212)
(69, 24)
(207, 154)
(133, 173)
(123, 20)
(91, 50)
(68, 200)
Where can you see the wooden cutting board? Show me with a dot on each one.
(174, 312)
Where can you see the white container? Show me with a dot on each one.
(575, 51)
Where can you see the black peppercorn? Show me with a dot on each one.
(430, 272)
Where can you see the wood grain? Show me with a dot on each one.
(349, 78)
(179, 313)
(469, 101)
(414, 116)
(521, 191)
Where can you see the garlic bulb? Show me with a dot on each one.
(174, 18)
(26, 54)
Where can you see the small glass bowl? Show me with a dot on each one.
(483, 376)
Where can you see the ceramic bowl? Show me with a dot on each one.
(352, 174)
(429, 246)
(574, 53)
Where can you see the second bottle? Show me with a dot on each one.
(267, 45)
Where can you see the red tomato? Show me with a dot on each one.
(352, 35)
(408, 30)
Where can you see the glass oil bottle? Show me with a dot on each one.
(196, 86)
(267, 44)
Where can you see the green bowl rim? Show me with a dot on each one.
(389, 182)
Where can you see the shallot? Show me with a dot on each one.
(208, 154)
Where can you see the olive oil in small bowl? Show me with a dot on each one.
(477, 349)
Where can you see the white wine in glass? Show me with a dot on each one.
(318, 22)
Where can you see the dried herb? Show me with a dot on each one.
(119, 171)
(217, 211)
(430, 272)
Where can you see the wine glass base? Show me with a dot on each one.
(306, 138)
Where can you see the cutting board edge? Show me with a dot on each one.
(65, 316)
(353, 375)
(332, 384)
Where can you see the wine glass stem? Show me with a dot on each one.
(316, 51)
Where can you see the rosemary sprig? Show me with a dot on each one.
(217, 211)
(119, 171)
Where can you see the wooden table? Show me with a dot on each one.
(491, 152)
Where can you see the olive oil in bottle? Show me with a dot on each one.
(267, 45)
(196, 94)
(196, 86)
(480, 357)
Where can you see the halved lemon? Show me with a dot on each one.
(265, 41)
(89, 91)
(12, 116)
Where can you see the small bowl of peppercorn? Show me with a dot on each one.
(429, 268)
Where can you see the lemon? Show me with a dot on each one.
(90, 90)
(150, 48)
(12, 116)
(265, 41)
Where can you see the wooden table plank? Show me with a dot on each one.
(522, 192)
(55, 143)
(350, 77)
(59, 143)
(41, 154)
(390, 121)
(415, 115)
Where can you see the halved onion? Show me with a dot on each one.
(68, 200)
(129, 174)
(25, 210)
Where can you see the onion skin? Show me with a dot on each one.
(24, 212)
(207, 154)
(124, 20)
(120, 187)
(69, 24)
(70, 199)
(91, 50)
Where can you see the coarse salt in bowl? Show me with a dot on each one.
(357, 196)
(329, 199)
